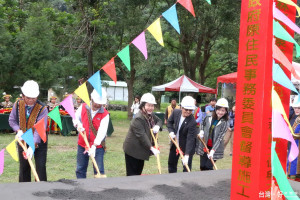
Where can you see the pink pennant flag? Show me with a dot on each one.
(67, 103)
(140, 43)
(282, 17)
(281, 130)
(1, 161)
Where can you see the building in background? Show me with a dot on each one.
(116, 91)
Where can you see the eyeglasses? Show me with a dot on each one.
(188, 110)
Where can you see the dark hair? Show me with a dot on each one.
(173, 99)
(138, 97)
(142, 105)
(213, 99)
(214, 114)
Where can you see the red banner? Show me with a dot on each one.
(251, 167)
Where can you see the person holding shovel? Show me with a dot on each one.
(182, 127)
(25, 113)
(92, 121)
(138, 144)
(212, 131)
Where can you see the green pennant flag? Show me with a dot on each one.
(208, 1)
(125, 56)
(54, 114)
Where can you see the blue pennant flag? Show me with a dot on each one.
(95, 80)
(171, 16)
(28, 138)
(280, 77)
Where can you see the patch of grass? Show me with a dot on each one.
(125, 103)
(62, 151)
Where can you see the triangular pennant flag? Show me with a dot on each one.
(188, 5)
(155, 30)
(54, 114)
(95, 80)
(40, 128)
(28, 138)
(171, 16)
(289, 2)
(281, 33)
(67, 103)
(82, 92)
(12, 150)
(280, 77)
(110, 69)
(208, 1)
(140, 43)
(124, 55)
(1, 161)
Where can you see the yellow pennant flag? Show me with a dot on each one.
(289, 2)
(82, 92)
(12, 150)
(155, 30)
(277, 105)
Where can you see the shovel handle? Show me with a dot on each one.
(180, 153)
(212, 161)
(156, 146)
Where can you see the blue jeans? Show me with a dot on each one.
(83, 162)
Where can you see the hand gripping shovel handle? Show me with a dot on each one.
(29, 160)
(180, 153)
(93, 159)
(156, 146)
(207, 150)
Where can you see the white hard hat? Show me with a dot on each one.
(30, 89)
(222, 103)
(188, 102)
(148, 98)
(296, 104)
(97, 99)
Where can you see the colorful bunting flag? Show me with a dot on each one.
(28, 138)
(281, 130)
(54, 114)
(280, 77)
(67, 103)
(282, 17)
(155, 30)
(124, 55)
(82, 92)
(280, 176)
(1, 161)
(208, 1)
(171, 16)
(289, 2)
(140, 43)
(188, 5)
(12, 150)
(41, 129)
(281, 33)
(95, 80)
(110, 69)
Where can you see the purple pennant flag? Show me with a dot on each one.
(67, 103)
(1, 161)
(28, 138)
(140, 43)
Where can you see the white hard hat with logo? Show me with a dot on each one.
(30, 89)
(148, 98)
(99, 99)
(222, 103)
(188, 102)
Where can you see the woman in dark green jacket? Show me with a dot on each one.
(138, 145)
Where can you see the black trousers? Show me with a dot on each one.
(205, 163)
(173, 161)
(133, 166)
(40, 157)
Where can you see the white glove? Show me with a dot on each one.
(172, 135)
(155, 151)
(211, 154)
(29, 153)
(156, 129)
(92, 151)
(185, 160)
(80, 127)
(19, 135)
(201, 134)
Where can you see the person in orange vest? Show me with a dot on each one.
(170, 109)
(94, 121)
